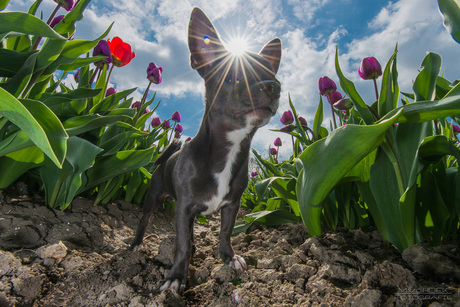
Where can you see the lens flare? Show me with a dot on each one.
(237, 45)
(207, 40)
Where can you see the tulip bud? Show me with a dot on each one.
(166, 124)
(335, 96)
(154, 73)
(102, 48)
(110, 91)
(343, 104)
(177, 135)
(288, 128)
(456, 129)
(156, 122)
(188, 139)
(287, 118)
(303, 122)
(273, 151)
(178, 128)
(77, 76)
(277, 142)
(326, 86)
(136, 105)
(254, 174)
(56, 20)
(176, 117)
(370, 68)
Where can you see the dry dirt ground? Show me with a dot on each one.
(80, 257)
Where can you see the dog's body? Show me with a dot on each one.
(211, 171)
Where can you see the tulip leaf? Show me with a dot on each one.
(27, 24)
(450, 10)
(425, 82)
(389, 94)
(324, 165)
(120, 163)
(17, 163)
(16, 85)
(11, 61)
(3, 4)
(38, 122)
(318, 119)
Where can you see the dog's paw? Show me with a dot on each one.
(174, 284)
(237, 263)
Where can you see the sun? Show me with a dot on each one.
(237, 45)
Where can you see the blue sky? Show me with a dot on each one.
(309, 30)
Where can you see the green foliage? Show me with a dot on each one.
(69, 141)
(389, 165)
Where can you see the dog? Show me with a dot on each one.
(210, 172)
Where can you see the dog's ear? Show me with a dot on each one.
(203, 42)
(272, 52)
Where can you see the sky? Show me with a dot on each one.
(310, 31)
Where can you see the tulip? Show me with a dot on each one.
(176, 117)
(287, 118)
(56, 20)
(102, 48)
(303, 122)
(178, 128)
(456, 129)
(156, 122)
(370, 68)
(288, 128)
(188, 139)
(110, 91)
(122, 52)
(77, 76)
(177, 135)
(343, 104)
(154, 73)
(273, 151)
(335, 96)
(68, 5)
(277, 142)
(136, 105)
(326, 86)
(254, 174)
(166, 124)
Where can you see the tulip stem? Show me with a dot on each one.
(108, 78)
(332, 109)
(375, 88)
(39, 39)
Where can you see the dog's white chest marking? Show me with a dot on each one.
(223, 178)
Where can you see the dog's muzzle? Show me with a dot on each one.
(271, 87)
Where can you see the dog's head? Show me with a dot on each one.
(239, 88)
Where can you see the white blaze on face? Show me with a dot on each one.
(223, 178)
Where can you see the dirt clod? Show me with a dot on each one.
(81, 257)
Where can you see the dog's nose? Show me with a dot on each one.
(272, 88)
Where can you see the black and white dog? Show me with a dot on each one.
(211, 171)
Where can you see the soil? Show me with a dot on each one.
(80, 257)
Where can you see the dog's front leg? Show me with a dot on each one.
(228, 216)
(184, 242)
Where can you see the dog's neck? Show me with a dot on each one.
(218, 143)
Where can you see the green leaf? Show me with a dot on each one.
(318, 119)
(61, 186)
(27, 24)
(120, 163)
(11, 61)
(16, 85)
(17, 163)
(38, 122)
(349, 88)
(3, 4)
(425, 82)
(389, 93)
(328, 161)
(450, 10)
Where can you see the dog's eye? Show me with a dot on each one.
(233, 80)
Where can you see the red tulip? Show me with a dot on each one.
(122, 53)
(370, 68)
